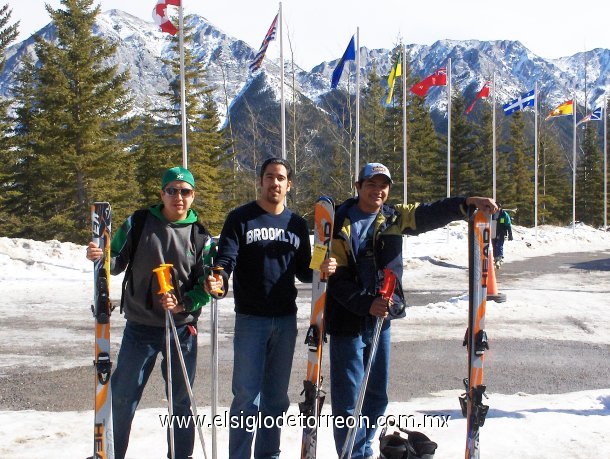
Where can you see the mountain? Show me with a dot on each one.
(142, 47)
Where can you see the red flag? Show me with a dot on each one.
(438, 78)
(160, 16)
(483, 94)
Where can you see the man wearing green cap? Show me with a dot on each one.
(164, 233)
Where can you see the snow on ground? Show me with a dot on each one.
(574, 425)
(48, 283)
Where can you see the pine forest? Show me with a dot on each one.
(70, 138)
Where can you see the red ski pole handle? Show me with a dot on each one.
(389, 284)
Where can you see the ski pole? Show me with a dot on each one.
(162, 273)
(214, 349)
(188, 385)
(350, 439)
(164, 278)
(386, 291)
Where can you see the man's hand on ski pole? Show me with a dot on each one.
(170, 303)
(379, 307)
(328, 267)
(213, 284)
(216, 283)
(94, 252)
(485, 204)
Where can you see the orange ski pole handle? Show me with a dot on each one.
(164, 278)
(216, 274)
(389, 284)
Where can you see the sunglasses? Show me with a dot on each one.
(184, 192)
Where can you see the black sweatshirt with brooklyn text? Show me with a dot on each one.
(265, 253)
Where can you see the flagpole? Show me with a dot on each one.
(493, 134)
(283, 102)
(574, 163)
(536, 160)
(357, 161)
(449, 128)
(605, 163)
(182, 89)
(404, 123)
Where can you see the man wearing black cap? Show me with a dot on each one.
(165, 233)
(368, 238)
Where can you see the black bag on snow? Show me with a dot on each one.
(416, 446)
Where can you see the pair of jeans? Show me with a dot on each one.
(349, 356)
(139, 349)
(498, 247)
(263, 350)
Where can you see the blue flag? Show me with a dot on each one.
(348, 55)
(595, 115)
(526, 100)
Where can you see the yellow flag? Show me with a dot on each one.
(564, 109)
(396, 72)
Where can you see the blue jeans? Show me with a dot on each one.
(498, 245)
(263, 350)
(139, 349)
(348, 359)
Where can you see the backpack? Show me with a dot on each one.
(199, 236)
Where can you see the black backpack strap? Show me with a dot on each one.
(138, 219)
(199, 237)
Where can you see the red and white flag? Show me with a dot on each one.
(482, 94)
(438, 78)
(159, 14)
(258, 59)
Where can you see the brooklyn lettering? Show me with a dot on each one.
(272, 234)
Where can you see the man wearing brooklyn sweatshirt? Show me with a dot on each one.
(265, 246)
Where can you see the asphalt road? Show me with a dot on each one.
(418, 368)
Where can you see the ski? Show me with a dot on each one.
(479, 240)
(103, 440)
(312, 386)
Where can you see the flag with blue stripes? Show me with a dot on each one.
(526, 100)
(595, 115)
(258, 59)
(348, 55)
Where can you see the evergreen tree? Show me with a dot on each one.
(554, 190)
(79, 102)
(520, 168)
(426, 159)
(482, 161)
(8, 34)
(373, 133)
(21, 171)
(208, 156)
(394, 128)
(589, 179)
(151, 159)
(464, 150)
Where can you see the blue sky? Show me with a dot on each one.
(320, 30)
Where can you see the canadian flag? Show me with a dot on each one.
(159, 14)
(438, 78)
